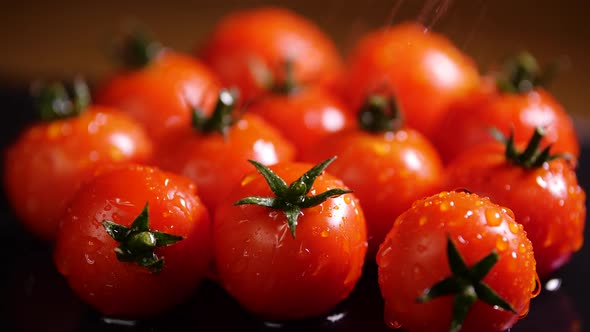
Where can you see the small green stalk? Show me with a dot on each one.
(467, 286)
(222, 117)
(138, 241)
(56, 101)
(521, 73)
(265, 78)
(292, 198)
(137, 49)
(379, 114)
(531, 156)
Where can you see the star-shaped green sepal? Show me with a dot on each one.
(138, 241)
(467, 286)
(292, 198)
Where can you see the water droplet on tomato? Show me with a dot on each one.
(501, 242)
(493, 217)
(325, 233)
(513, 226)
(89, 259)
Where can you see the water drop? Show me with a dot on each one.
(422, 221)
(553, 284)
(493, 217)
(118, 321)
(513, 226)
(325, 233)
(335, 317)
(89, 260)
(501, 243)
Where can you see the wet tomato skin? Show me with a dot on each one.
(413, 258)
(48, 161)
(547, 201)
(468, 121)
(216, 162)
(258, 41)
(304, 117)
(161, 95)
(387, 172)
(276, 276)
(85, 253)
(422, 69)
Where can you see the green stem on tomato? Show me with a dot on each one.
(137, 49)
(292, 198)
(466, 283)
(521, 73)
(222, 117)
(58, 101)
(137, 242)
(532, 156)
(380, 113)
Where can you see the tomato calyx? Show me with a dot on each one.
(288, 85)
(138, 241)
(292, 198)
(467, 285)
(58, 101)
(531, 156)
(137, 49)
(379, 113)
(222, 117)
(521, 73)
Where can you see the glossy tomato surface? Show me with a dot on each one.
(305, 116)
(386, 171)
(162, 94)
(248, 49)
(85, 253)
(46, 163)
(468, 121)
(547, 200)
(217, 162)
(276, 276)
(422, 69)
(413, 258)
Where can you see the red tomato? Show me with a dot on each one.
(423, 69)
(388, 165)
(300, 252)
(248, 49)
(215, 153)
(304, 116)
(149, 255)
(46, 163)
(468, 122)
(543, 193)
(442, 257)
(159, 89)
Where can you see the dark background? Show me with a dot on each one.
(57, 39)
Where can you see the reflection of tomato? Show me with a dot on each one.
(386, 164)
(215, 153)
(444, 255)
(248, 49)
(423, 70)
(157, 249)
(46, 163)
(544, 195)
(297, 255)
(304, 116)
(160, 91)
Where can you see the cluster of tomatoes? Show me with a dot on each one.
(271, 164)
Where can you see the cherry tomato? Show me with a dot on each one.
(135, 241)
(542, 191)
(304, 116)
(456, 260)
(387, 164)
(424, 70)
(248, 49)
(215, 153)
(293, 249)
(46, 163)
(519, 105)
(158, 86)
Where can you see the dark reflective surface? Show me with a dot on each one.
(34, 297)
